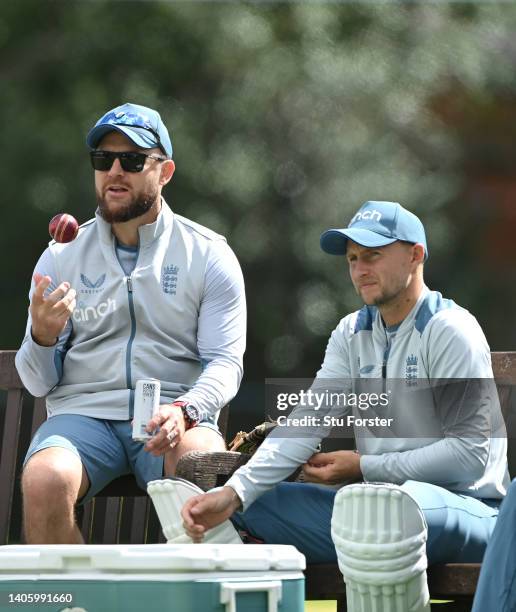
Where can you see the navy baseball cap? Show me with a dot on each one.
(142, 125)
(376, 224)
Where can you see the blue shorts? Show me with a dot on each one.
(105, 448)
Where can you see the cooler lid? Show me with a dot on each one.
(149, 557)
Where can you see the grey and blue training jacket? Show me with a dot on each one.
(462, 447)
(179, 317)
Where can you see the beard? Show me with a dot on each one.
(386, 296)
(138, 206)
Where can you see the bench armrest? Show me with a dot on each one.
(212, 469)
(209, 469)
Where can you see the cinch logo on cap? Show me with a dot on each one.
(367, 214)
(376, 224)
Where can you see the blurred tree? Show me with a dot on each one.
(285, 118)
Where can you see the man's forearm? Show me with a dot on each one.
(36, 367)
(216, 386)
(445, 462)
(235, 500)
(273, 462)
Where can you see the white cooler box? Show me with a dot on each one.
(151, 578)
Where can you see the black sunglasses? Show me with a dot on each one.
(129, 160)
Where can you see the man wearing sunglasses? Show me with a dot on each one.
(140, 293)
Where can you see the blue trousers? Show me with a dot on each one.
(497, 584)
(459, 526)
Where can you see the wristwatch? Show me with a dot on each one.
(190, 414)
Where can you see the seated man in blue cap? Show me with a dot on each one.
(431, 483)
(141, 293)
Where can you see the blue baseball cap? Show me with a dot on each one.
(376, 224)
(142, 125)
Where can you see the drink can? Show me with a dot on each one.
(146, 405)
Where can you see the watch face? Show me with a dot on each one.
(192, 413)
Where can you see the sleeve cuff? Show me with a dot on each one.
(52, 346)
(371, 467)
(239, 488)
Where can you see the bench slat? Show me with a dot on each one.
(8, 458)
(39, 415)
(504, 367)
(138, 519)
(324, 581)
(86, 521)
(112, 519)
(453, 578)
(9, 378)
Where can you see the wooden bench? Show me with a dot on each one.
(122, 513)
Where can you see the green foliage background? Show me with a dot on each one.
(285, 117)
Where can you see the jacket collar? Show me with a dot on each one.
(408, 322)
(147, 233)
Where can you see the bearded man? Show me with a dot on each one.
(141, 293)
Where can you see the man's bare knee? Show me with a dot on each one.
(52, 482)
(196, 439)
(202, 439)
(54, 475)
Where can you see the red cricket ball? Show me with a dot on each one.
(63, 227)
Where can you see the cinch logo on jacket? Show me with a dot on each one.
(82, 315)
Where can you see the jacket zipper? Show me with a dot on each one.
(385, 353)
(128, 372)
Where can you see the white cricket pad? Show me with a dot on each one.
(169, 496)
(380, 535)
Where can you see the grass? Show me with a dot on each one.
(321, 606)
(331, 605)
